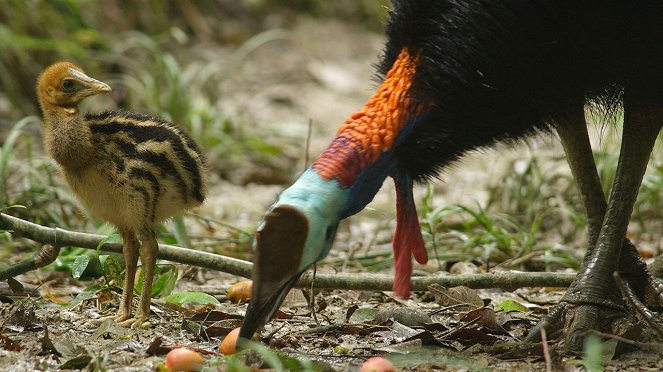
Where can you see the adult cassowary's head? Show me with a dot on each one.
(392, 136)
(299, 229)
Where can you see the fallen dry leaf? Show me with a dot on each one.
(156, 348)
(483, 316)
(222, 327)
(8, 344)
(466, 298)
(409, 316)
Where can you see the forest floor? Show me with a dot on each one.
(320, 73)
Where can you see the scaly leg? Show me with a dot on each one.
(642, 122)
(148, 257)
(130, 246)
(591, 299)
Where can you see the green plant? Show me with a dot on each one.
(593, 354)
(30, 180)
(270, 358)
(527, 211)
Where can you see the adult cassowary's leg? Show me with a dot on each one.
(591, 299)
(575, 139)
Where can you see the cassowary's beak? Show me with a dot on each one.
(297, 231)
(92, 86)
(276, 265)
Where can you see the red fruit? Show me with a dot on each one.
(229, 344)
(240, 292)
(377, 364)
(183, 359)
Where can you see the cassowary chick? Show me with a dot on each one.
(132, 170)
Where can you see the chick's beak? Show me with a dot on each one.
(279, 244)
(92, 86)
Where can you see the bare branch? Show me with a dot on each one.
(377, 282)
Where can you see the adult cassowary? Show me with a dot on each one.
(461, 75)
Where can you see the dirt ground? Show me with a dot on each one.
(320, 71)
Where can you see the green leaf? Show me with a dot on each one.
(509, 306)
(79, 266)
(593, 350)
(4, 209)
(363, 315)
(270, 357)
(78, 362)
(197, 298)
(179, 230)
(112, 269)
(165, 283)
(112, 238)
(87, 293)
(165, 278)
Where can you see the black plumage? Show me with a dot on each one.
(500, 70)
(457, 76)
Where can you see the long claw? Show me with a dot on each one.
(636, 305)
(549, 322)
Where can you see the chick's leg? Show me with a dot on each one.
(130, 246)
(148, 257)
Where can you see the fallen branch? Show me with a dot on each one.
(61, 238)
(508, 280)
(45, 256)
(375, 282)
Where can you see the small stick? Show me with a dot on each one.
(546, 352)
(43, 257)
(369, 282)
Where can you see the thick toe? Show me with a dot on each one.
(121, 317)
(580, 321)
(133, 323)
(138, 323)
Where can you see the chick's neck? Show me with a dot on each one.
(67, 137)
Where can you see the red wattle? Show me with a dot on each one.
(407, 241)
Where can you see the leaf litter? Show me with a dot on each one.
(438, 329)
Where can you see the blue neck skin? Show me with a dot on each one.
(325, 202)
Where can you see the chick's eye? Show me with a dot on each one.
(68, 85)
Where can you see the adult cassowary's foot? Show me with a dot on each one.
(593, 302)
(584, 308)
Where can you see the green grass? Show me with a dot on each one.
(530, 210)
(147, 78)
(154, 81)
(34, 34)
(535, 209)
(30, 180)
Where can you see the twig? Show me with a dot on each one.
(518, 261)
(312, 302)
(370, 282)
(45, 256)
(501, 279)
(652, 346)
(546, 352)
(60, 238)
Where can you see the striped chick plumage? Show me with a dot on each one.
(132, 170)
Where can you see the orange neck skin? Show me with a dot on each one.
(366, 134)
